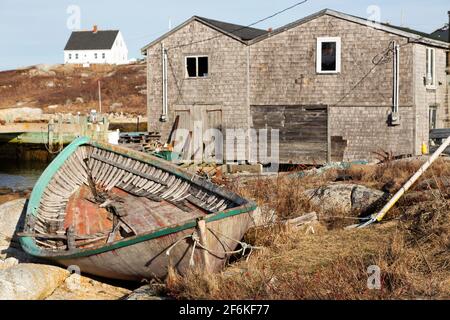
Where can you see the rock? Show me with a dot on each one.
(45, 67)
(115, 106)
(79, 100)
(345, 198)
(84, 75)
(8, 263)
(13, 114)
(434, 183)
(12, 215)
(263, 216)
(147, 292)
(143, 91)
(77, 287)
(40, 73)
(53, 106)
(30, 281)
(68, 102)
(50, 84)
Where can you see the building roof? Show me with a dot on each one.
(88, 40)
(248, 35)
(414, 35)
(235, 31)
(242, 32)
(441, 34)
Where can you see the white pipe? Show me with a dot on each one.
(396, 72)
(166, 109)
(379, 216)
(164, 83)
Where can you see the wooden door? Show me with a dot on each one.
(198, 119)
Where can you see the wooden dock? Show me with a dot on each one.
(60, 131)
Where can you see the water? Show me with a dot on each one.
(19, 175)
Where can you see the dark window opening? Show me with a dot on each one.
(191, 65)
(328, 56)
(203, 66)
(197, 67)
(433, 117)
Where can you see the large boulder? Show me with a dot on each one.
(346, 198)
(12, 215)
(30, 281)
(8, 263)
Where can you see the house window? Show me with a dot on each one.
(103, 55)
(430, 79)
(328, 55)
(197, 67)
(76, 55)
(432, 117)
(70, 56)
(95, 55)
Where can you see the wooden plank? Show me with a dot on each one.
(133, 171)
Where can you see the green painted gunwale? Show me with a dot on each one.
(29, 244)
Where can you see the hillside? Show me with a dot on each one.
(72, 89)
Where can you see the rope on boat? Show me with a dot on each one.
(196, 243)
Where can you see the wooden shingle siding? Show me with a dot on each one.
(302, 130)
(265, 82)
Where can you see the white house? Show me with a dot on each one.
(96, 47)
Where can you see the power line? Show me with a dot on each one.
(378, 59)
(241, 28)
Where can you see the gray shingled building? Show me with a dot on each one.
(327, 82)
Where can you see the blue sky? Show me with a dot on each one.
(35, 32)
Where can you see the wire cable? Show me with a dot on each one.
(240, 28)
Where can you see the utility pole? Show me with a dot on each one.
(99, 97)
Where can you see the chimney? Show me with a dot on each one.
(270, 30)
(448, 28)
(95, 29)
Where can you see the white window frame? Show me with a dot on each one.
(430, 53)
(95, 55)
(103, 55)
(320, 40)
(196, 66)
(70, 56)
(76, 56)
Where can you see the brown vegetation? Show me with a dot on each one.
(75, 89)
(411, 247)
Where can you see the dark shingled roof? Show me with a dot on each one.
(242, 32)
(88, 40)
(441, 34)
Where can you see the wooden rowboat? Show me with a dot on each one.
(122, 214)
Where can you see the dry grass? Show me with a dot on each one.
(64, 84)
(412, 250)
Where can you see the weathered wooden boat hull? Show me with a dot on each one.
(205, 240)
(148, 259)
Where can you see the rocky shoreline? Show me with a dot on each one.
(23, 277)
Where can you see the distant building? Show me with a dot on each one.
(96, 47)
